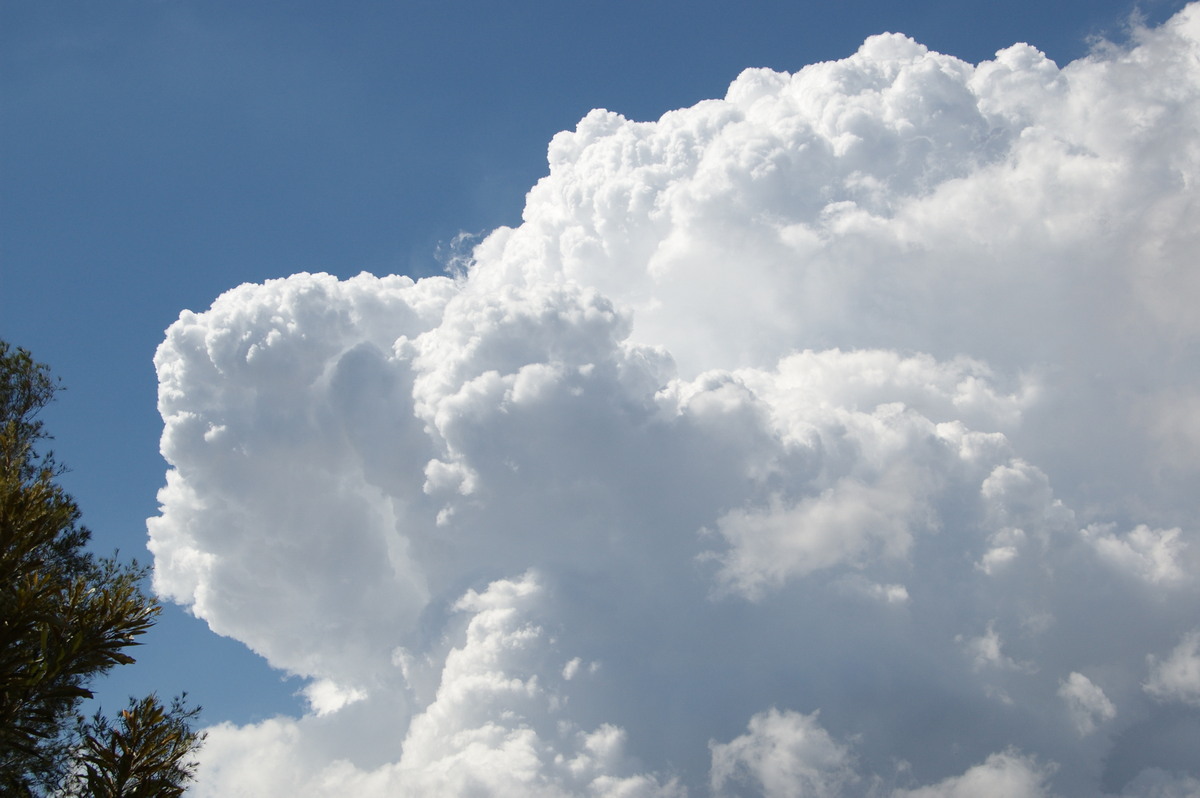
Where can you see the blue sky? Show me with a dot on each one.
(154, 155)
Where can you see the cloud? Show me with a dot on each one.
(1157, 783)
(851, 392)
(489, 730)
(790, 754)
(325, 696)
(1086, 702)
(783, 754)
(1004, 775)
(1177, 678)
(1152, 554)
(986, 651)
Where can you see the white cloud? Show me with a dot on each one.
(783, 754)
(490, 729)
(790, 754)
(325, 696)
(1086, 703)
(1004, 775)
(882, 462)
(986, 651)
(868, 345)
(1153, 554)
(1177, 678)
(838, 526)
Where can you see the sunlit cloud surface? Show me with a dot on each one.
(837, 437)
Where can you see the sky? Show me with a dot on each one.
(631, 399)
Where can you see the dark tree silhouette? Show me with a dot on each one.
(67, 617)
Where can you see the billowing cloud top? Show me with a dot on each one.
(838, 437)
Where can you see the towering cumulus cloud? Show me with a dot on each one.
(838, 437)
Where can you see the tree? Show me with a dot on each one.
(145, 755)
(66, 617)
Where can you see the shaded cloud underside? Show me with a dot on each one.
(833, 438)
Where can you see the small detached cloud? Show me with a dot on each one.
(816, 439)
(783, 754)
(1086, 703)
(1177, 678)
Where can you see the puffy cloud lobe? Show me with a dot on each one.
(986, 651)
(1177, 678)
(783, 753)
(1003, 775)
(790, 754)
(1152, 554)
(293, 374)
(883, 461)
(854, 391)
(477, 736)
(1086, 702)
(489, 730)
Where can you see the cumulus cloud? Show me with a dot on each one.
(1177, 678)
(1157, 783)
(490, 729)
(1152, 554)
(816, 440)
(1003, 775)
(1086, 702)
(782, 754)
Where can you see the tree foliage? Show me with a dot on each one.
(66, 617)
(145, 754)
